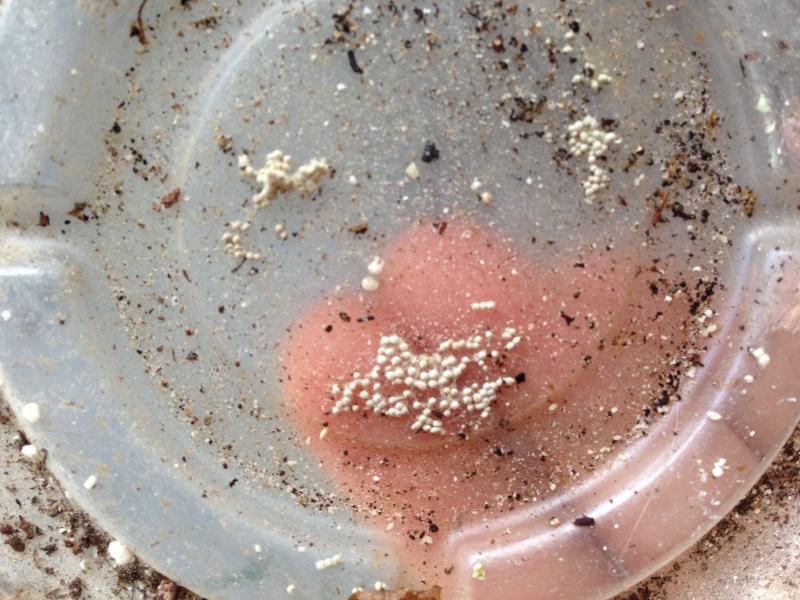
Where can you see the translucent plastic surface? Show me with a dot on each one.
(656, 291)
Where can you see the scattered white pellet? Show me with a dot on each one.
(412, 171)
(486, 197)
(341, 86)
(257, 548)
(555, 522)
(713, 415)
(6, 314)
(376, 266)
(352, 180)
(478, 572)
(484, 305)
(476, 185)
(380, 586)
(290, 588)
(369, 284)
(90, 482)
(604, 78)
(710, 329)
(30, 451)
(763, 105)
(31, 412)
(326, 563)
(119, 553)
(749, 379)
(761, 356)
(719, 468)
(679, 96)
(640, 44)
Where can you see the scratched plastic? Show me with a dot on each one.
(167, 367)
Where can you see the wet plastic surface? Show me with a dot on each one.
(112, 322)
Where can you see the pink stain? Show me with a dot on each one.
(595, 336)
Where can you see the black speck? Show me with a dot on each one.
(567, 319)
(608, 124)
(328, 328)
(520, 378)
(584, 521)
(49, 549)
(344, 317)
(232, 482)
(679, 211)
(662, 400)
(430, 153)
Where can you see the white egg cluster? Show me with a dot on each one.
(587, 138)
(276, 176)
(234, 244)
(402, 382)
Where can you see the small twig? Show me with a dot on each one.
(657, 214)
(239, 266)
(140, 33)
